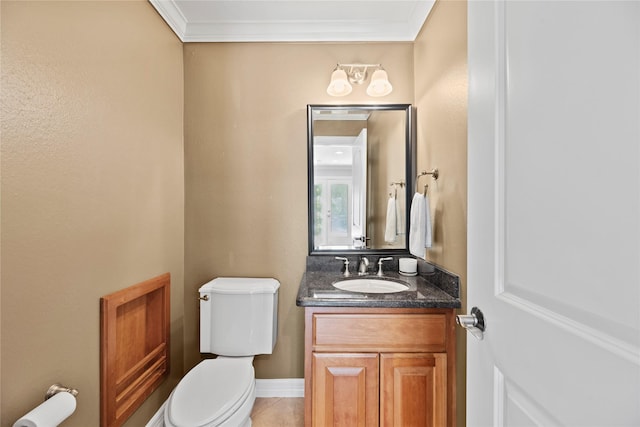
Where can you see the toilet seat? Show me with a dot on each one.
(211, 392)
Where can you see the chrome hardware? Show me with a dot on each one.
(433, 172)
(361, 241)
(204, 298)
(473, 322)
(346, 265)
(380, 264)
(59, 388)
(362, 267)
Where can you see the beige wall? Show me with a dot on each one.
(92, 188)
(246, 167)
(441, 102)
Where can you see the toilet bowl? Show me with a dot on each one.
(216, 392)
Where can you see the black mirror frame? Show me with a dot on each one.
(410, 170)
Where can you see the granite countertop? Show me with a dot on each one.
(425, 291)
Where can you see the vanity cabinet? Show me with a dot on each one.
(379, 367)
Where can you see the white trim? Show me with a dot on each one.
(172, 15)
(235, 29)
(295, 31)
(286, 387)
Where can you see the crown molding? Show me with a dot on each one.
(365, 29)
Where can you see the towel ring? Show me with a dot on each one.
(395, 187)
(433, 172)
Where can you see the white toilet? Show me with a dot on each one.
(238, 319)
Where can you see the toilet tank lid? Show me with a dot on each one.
(240, 285)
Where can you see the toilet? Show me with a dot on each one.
(238, 319)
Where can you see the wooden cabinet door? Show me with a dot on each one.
(413, 389)
(345, 389)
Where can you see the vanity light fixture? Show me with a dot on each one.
(339, 85)
(344, 75)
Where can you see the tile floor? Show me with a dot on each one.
(278, 412)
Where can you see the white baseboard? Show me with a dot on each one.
(286, 387)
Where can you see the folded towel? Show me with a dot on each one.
(390, 225)
(420, 228)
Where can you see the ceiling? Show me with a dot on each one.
(294, 20)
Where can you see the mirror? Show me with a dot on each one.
(361, 166)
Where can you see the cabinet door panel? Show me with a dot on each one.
(345, 389)
(413, 389)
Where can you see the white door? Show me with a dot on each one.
(554, 213)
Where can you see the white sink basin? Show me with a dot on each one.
(371, 286)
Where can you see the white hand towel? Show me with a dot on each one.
(417, 226)
(420, 236)
(428, 239)
(400, 229)
(390, 225)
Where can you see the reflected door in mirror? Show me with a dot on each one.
(332, 224)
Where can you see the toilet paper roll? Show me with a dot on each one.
(408, 266)
(51, 413)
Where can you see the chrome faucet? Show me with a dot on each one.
(380, 264)
(362, 267)
(346, 265)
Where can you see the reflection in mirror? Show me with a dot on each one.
(361, 165)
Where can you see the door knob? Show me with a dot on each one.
(473, 322)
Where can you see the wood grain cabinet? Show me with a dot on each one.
(379, 367)
(413, 389)
(345, 391)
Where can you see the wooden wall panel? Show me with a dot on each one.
(134, 347)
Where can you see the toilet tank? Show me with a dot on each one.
(239, 316)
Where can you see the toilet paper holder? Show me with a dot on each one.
(59, 388)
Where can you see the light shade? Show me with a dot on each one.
(380, 85)
(339, 85)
